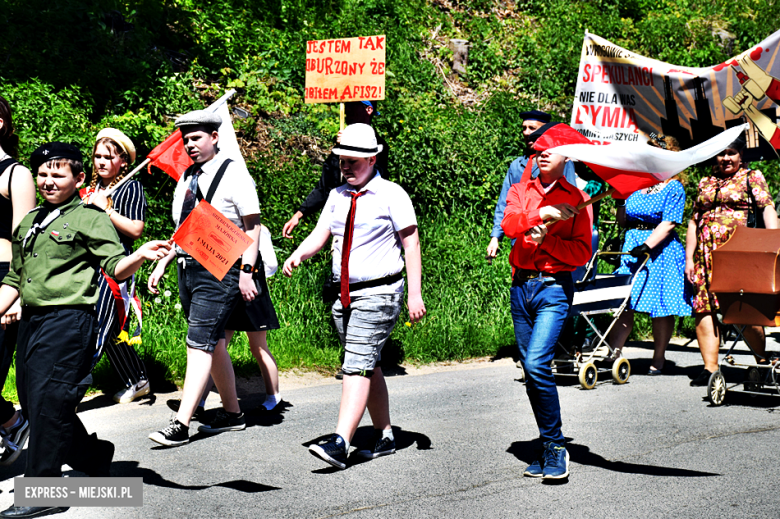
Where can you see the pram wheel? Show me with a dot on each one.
(621, 370)
(588, 375)
(521, 376)
(716, 388)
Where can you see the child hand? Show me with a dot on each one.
(154, 250)
(13, 315)
(247, 286)
(154, 279)
(538, 233)
(416, 308)
(100, 200)
(292, 262)
(558, 212)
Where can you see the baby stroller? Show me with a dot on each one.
(750, 298)
(597, 294)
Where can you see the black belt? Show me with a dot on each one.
(641, 226)
(523, 275)
(371, 283)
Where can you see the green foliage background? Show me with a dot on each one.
(70, 68)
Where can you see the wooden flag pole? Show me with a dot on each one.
(583, 205)
(342, 116)
(127, 177)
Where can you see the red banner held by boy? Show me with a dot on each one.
(212, 239)
(170, 156)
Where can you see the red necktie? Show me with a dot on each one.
(349, 229)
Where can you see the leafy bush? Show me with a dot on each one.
(135, 65)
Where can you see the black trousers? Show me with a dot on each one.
(53, 361)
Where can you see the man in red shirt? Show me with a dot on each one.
(542, 259)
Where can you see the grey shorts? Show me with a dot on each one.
(207, 303)
(364, 328)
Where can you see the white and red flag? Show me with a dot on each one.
(628, 167)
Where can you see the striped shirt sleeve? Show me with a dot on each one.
(130, 201)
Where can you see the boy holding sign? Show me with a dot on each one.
(370, 219)
(206, 300)
(56, 249)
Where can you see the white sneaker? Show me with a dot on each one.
(126, 396)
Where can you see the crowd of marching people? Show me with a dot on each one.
(68, 285)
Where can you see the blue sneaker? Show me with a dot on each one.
(331, 450)
(556, 462)
(535, 469)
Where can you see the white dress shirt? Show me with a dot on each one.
(380, 213)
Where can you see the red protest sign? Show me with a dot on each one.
(346, 69)
(213, 240)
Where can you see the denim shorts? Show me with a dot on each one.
(207, 303)
(364, 328)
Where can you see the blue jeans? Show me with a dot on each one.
(540, 307)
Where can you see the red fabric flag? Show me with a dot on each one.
(170, 156)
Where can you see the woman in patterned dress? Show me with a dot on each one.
(723, 204)
(659, 289)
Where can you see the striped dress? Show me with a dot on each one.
(115, 300)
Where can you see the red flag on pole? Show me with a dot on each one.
(170, 156)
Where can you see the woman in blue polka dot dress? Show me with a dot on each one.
(659, 290)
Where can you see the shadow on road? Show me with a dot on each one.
(131, 469)
(527, 450)
(364, 439)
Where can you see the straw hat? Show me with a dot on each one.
(120, 138)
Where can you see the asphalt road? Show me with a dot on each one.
(653, 447)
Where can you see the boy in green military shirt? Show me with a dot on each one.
(57, 249)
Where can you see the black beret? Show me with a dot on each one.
(540, 131)
(54, 150)
(536, 115)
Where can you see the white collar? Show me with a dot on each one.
(210, 167)
(371, 185)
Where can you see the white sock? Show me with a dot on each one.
(272, 401)
(388, 433)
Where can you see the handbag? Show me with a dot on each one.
(266, 247)
(755, 217)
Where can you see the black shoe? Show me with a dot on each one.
(21, 512)
(175, 403)
(172, 436)
(702, 380)
(331, 450)
(13, 441)
(382, 447)
(223, 422)
(339, 374)
(104, 451)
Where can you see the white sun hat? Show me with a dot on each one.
(358, 140)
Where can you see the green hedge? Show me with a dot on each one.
(70, 68)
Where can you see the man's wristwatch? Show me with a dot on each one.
(247, 268)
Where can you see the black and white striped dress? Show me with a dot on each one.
(129, 201)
